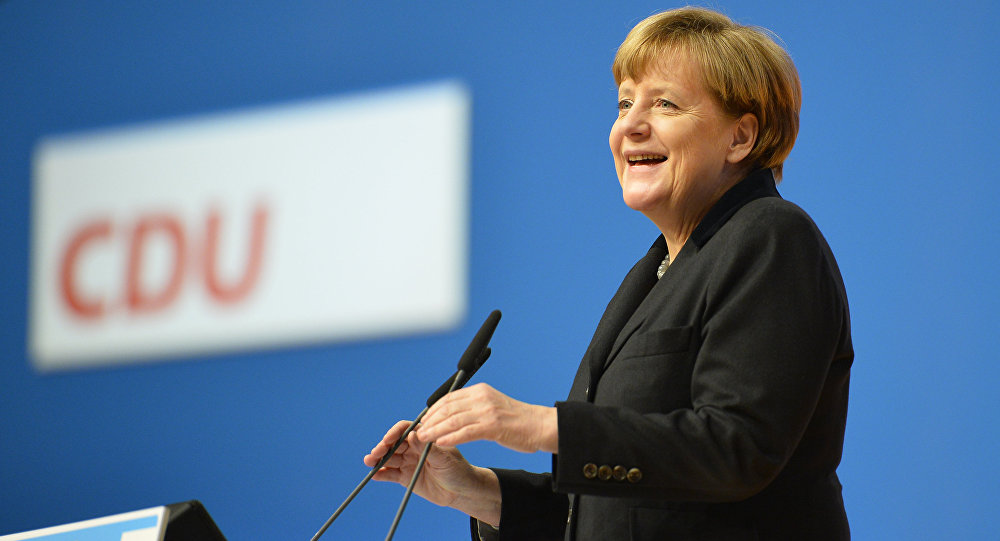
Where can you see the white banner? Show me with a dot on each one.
(329, 220)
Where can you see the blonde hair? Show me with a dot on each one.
(742, 65)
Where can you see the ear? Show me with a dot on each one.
(744, 132)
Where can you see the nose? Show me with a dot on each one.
(635, 124)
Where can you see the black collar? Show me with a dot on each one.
(759, 183)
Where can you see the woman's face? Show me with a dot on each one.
(671, 140)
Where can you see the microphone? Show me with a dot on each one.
(471, 361)
(479, 343)
(449, 385)
(465, 364)
(446, 386)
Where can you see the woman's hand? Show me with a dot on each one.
(481, 412)
(447, 478)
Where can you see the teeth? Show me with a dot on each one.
(641, 157)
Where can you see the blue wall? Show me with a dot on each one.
(895, 161)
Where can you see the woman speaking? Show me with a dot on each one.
(712, 400)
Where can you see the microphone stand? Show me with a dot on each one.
(413, 480)
(368, 477)
(460, 378)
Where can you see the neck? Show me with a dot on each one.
(677, 220)
(676, 235)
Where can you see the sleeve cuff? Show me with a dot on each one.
(484, 532)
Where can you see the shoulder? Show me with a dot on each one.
(771, 239)
(770, 227)
(772, 215)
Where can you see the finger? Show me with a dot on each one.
(404, 447)
(481, 402)
(469, 398)
(395, 432)
(394, 475)
(388, 441)
(398, 461)
(465, 434)
(406, 457)
(452, 398)
(449, 425)
(383, 447)
(451, 408)
(435, 411)
(509, 423)
(407, 454)
(373, 458)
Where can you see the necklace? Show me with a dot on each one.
(662, 269)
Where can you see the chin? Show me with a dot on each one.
(642, 200)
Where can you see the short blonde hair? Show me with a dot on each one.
(742, 65)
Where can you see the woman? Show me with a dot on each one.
(712, 400)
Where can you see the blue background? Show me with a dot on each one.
(895, 161)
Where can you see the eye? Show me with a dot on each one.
(624, 104)
(665, 104)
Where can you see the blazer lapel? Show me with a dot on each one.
(652, 300)
(637, 284)
(630, 327)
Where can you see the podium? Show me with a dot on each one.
(185, 521)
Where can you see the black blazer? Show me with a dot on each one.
(711, 403)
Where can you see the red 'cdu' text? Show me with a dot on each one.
(192, 261)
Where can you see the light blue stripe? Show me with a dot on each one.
(107, 532)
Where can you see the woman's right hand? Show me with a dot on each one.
(447, 478)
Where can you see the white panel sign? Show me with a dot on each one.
(329, 220)
(144, 525)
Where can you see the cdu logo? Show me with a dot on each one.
(160, 255)
(250, 229)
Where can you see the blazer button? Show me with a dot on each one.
(590, 470)
(604, 472)
(619, 473)
(634, 475)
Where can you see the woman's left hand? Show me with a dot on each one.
(481, 412)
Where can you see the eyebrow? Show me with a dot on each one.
(654, 91)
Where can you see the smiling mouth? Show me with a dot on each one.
(646, 159)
